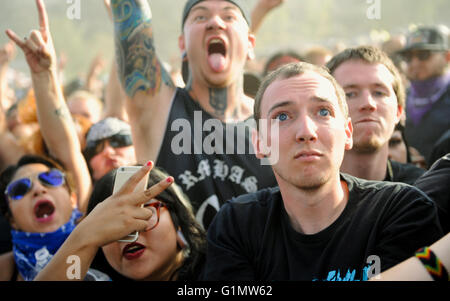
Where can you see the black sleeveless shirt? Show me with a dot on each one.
(212, 161)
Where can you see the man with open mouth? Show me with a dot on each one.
(216, 41)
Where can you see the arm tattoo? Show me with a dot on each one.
(218, 100)
(139, 67)
(62, 113)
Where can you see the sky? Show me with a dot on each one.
(296, 25)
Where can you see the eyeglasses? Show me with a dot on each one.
(422, 55)
(155, 207)
(95, 147)
(18, 189)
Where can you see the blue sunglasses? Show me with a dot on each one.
(19, 188)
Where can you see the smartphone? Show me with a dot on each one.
(122, 175)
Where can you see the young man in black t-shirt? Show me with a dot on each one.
(376, 100)
(318, 224)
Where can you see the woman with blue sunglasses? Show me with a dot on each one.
(170, 246)
(37, 199)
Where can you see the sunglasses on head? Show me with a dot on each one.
(18, 189)
(95, 147)
(422, 55)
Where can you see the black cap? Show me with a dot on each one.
(427, 38)
(241, 4)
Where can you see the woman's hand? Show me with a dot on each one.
(121, 213)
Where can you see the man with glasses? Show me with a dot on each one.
(428, 102)
(108, 146)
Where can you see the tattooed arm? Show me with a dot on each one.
(56, 124)
(147, 84)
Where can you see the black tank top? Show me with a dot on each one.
(212, 161)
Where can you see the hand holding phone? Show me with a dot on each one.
(122, 175)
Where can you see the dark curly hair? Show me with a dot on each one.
(9, 172)
(182, 216)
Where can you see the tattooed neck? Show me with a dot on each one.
(218, 99)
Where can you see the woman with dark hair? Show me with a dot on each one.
(38, 201)
(170, 245)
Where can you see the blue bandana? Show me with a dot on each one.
(32, 251)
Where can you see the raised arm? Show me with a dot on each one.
(56, 124)
(261, 9)
(7, 53)
(12, 153)
(115, 97)
(147, 84)
(93, 83)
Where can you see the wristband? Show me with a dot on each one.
(432, 264)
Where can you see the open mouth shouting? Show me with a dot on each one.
(44, 211)
(217, 52)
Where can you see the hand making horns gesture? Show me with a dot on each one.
(38, 47)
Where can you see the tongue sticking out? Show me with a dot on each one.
(216, 62)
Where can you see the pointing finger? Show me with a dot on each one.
(155, 190)
(43, 19)
(12, 35)
(133, 181)
(142, 197)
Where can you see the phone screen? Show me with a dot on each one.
(122, 175)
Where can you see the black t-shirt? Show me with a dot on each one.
(217, 160)
(401, 172)
(440, 148)
(436, 184)
(383, 223)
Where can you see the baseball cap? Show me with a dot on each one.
(104, 129)
(427, 38)
(241, 4)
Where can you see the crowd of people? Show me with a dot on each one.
(327, 165)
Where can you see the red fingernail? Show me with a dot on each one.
(149, 163)
(169, 180)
